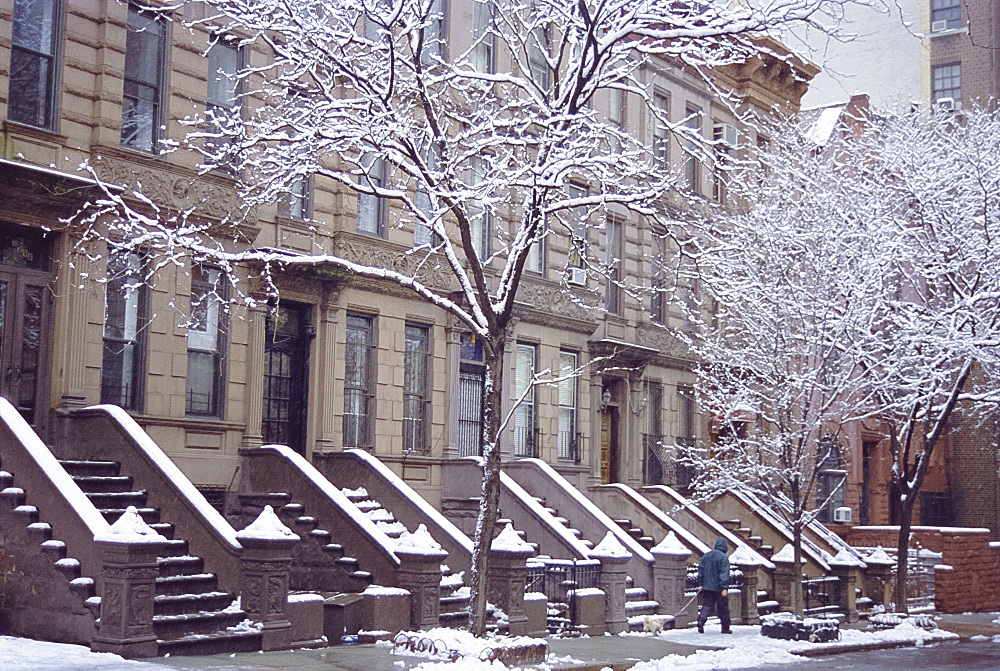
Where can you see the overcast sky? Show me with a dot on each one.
(883, 61)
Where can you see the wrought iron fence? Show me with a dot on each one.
(920, 563)
(737, 579)
(556, 578)
(821, 595)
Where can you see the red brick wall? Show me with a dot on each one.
(974, 582)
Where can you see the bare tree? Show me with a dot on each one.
(774, 349)
(462, 144)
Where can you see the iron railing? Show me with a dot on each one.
(821, 595)
(556, 578)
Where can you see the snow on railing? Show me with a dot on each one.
(49, 465)
(559, 481)
(169, 469)
(336, 497)
(387, 473)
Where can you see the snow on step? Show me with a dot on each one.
(12, 491)
(368, 505)
(359, 492)
(26, 509)
(39, 526)
(380, 515)
(53, 544)
(68, 562)
(83, 582)
(640, 605)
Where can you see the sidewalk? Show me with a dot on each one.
(579, 654)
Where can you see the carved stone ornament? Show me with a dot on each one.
(552, 304)
(381, 254)
(670, 346)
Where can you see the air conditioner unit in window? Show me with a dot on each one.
(948, 104)
(939, 26)
(842, 514)
(726, 133)
(577, 276)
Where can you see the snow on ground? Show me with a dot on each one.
(17, 654)
(747, 648)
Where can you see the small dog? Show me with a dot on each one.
(652, 625)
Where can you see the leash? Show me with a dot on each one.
(690, 601)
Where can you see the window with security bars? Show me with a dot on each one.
(613, 259)
(946, 82)
(125, 310)
(654, 469)
(145, 66)
(359, 382)
(206, 336)
(416, 389)
(470, 396)
(34, 44)
(526, 413)
(569, 448)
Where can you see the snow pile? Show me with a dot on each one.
(460, 641)
(879, 556)
(671, 546)
(786, 554)
(420, 542)
(610, 548)
(130, 528)
(22, 654)
(846, 558)
(744, 556)
(508, 541)
(268, 527)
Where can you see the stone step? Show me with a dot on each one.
(178, 604)
(623, 523)
(305, 524)
(84, 588)
(177, 626)
(39, 532)
(349, 564)
(90, 467)
(636, 594)
(335, 550)
(635, 608)
(165, 529)
(755, 541)
(6, 480)
(321, 536)
(69, 567)
(148, 515)
(732, 525)
(54, 549)
(367, 505)
(587, 543)
(211, 644)
(26, 514)
(647, 542)
(103, 483)
(13, 496)
(104, 500)
(293, 510)
(180, 565)
(257, 501)
(187, 584)
(744, 532)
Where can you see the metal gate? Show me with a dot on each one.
(557, 579)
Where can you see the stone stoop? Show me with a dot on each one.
(190, 614)
(637, 533)
(318, 564)
(639, 606)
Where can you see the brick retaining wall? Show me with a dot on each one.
(971, 585)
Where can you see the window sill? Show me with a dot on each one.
(964, 30)
(35, 132)
(189, 421)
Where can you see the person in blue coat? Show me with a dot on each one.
(713, 576)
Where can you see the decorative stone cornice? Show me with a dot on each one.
(364, 249)
(552, 305)
(673, 352)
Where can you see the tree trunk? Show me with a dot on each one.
(798, 607)
(902, 545)
(489, 503)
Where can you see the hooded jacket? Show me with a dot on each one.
(713, 570)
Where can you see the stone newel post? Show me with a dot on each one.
(845, 566)
(506, 576)
(747, 563)
(785, 574)
(878, 577)
(669, 576)
(419, 573)
(264, 567)
(613, 557)
(130, 548)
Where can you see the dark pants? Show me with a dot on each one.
(713, 603)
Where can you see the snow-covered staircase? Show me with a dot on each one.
(318, 563)
(637, 533)
(639, 605)
(589, 544)
(190, 614)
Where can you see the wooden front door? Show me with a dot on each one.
(23, 341)
(286, 367)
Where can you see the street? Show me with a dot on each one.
(960, 655)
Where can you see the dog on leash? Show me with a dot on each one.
(652, 625)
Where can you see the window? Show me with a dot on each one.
(830, 483)
(539, 46)
(692, 175)
(423, 225)
(569, 447)
(686, 432)
(123, 361)
(359, 382)
(480, 218)
(206, 335)
(536, 255)
(297, 203)
(436, 33)
(416, 389)
(145, 58)
(225, 60)
(471, 375)
(613, 260)
(724, 135)
(577, 226)
(617, 116)
(32, 95)
(946, 82)
(525, 415)
(484, 54)
(949, 11)
(658, 302)
(371, 208)
(655, 464)
(661, 132)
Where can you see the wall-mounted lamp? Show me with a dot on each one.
(605, 398)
